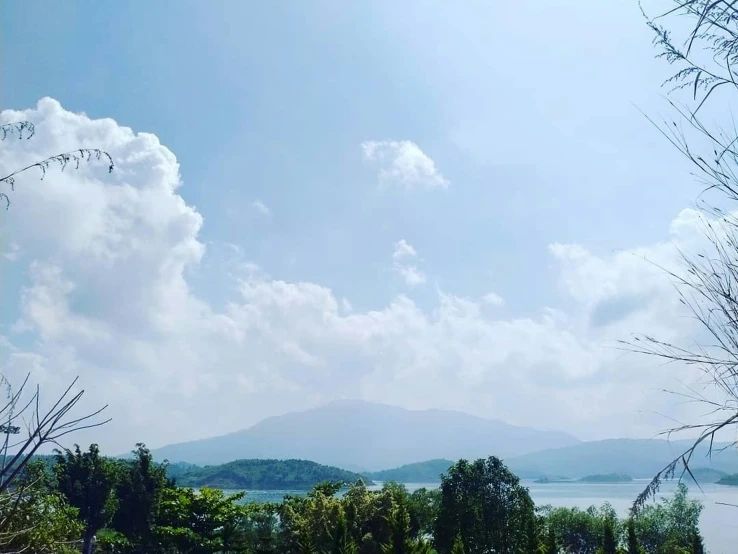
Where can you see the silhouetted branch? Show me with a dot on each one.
(45, 427)
(707, 284)
(74, 156)
(62, 160)
(18, 129)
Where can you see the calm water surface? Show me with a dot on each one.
(719, 524)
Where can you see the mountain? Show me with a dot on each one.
(420, 472)
(638, 458)
(363, 436)
(265, 475)
(609, 478)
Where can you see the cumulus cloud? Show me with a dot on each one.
(262, 208)
(109, 259)
(403, 251)
(493, 299)
(405, 257)
(403, 164)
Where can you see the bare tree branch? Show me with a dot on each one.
(707, 284)
(75, 157)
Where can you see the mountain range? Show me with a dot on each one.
(367, 438)
(363, 436)
(639, 458)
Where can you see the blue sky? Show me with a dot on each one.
(529, 114)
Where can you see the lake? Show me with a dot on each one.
(719, 524)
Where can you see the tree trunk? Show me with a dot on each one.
(87, 544)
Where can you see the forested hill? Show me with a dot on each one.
(265, 475)
(421, 472)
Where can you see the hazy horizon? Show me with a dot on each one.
(422, 205)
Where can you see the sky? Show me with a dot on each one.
(425, 204)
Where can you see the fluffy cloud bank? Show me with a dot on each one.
(105, 261)
(403, 164)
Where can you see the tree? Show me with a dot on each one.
(423, 505)
(484, 503)
(632, 539)
(577, 530)
(139, 493)
(609, 545)
(42, 521)
(43, 426)
(670, 524)
(259, 529)
(311, 520)
(342, 541)
(551, 547)
(458, 546)
(202, 522)
(697, 546)
(532, 544)
(87, 481)
(705, 59)
(398, 522)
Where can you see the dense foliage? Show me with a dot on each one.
(484, 504)
(131, 506)
(264, 475)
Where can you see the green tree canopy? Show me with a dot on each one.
(578, 530)
(139, 492)
(632, 538)
(40, 521)
(670, 524)
(88, 481)
(198, 522)
(484, 503)
(609, 544)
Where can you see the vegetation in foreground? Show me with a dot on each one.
(132, 507)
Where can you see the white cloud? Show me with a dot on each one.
(403, 164)
(262, 208)
(12, 253)
(404, 257)
(109, 258)
(412, 275)
(493, 299)
(403, 250)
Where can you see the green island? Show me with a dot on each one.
(264, 475)
(730, 480)
(429, 471)
(607, 478)
(706, 475)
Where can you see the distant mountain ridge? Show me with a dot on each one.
(363, 436)
(639, 458)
